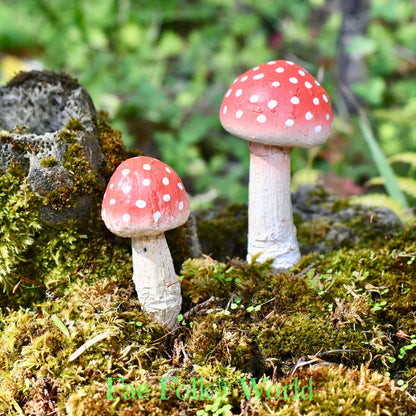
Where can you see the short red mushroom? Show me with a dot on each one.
(276, 106)
(144, 198)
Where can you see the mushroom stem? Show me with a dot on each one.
(271, 232)
(155, 279)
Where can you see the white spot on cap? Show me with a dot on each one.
(157, 215)
(146, 182)
(318, 128)
(317, 83)
(254, 98)
(125, 172)
(235, 81)
(280, 70)
(112, 201)
(261, 118)
(308, 85)
(245, 78)
(126, 217)
(289, 123)
(146, 167)
(166, 197)
(256, 68)
(238, 114)
(258, 76)
(295, 100)
(228, 93)
(224, 110)
(180, 186)
(112, 186)
(271, 62)
(289, 62)
(316, 101)
(276, 84)
(140, 203)
(309, 116)
(165, 181)
(180, 206)
(293, 80)
(327, 116)
(126, 189)
(272, 104)
(238, 92)
(325, 98)
(167, 169)
(301, 73)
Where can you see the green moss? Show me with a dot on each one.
(48, 162)
(16, 145)
(74, 125)
(344, 319)
(19, 223)
(71, 130)
(335, 390)
(327, 311)
(111, 145)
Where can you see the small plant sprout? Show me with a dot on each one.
(143, 199)
(276, 107)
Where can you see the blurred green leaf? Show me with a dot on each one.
(161, 69)
(361, 46)
(371, 91)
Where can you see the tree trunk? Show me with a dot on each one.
(351, 69)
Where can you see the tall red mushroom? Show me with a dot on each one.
(143, 199)
(276, 106)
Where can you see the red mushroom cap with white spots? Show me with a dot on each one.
(277, 103)
(144, 197)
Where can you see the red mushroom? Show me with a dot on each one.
(276, 106)
(143, 199)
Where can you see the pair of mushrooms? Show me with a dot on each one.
(276, 107)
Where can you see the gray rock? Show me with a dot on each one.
(35, 107)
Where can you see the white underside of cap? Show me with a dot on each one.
(298, 139)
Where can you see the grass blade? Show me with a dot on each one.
(383, 166)
(377, 154)
(89, 343)
(60, 325)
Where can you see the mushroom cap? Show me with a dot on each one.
(144, 197)
(277, 103)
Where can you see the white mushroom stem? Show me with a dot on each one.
(154, 277)
(271, 231)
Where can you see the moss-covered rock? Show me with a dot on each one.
(50, 118)
(232, 240)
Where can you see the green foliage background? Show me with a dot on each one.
(161, 67)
